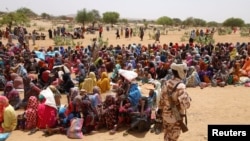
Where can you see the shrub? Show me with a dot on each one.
(61, 41)
(205, 40)
(41, 28)
(28, 25)
(244, 32)
(224, 31)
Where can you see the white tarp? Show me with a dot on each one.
(127, 74)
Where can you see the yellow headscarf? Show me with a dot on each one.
(87, 84)
(93, 77)
(233, 54)
(104, 83)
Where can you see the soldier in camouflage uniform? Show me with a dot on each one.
(172, 128)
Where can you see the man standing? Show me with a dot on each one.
(34, 37)
(50, 33)
(117, 34)
(157, 36)
(141, 33)
(192, 37)
(100, 31)
(174, 95)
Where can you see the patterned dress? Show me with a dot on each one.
(31, 113)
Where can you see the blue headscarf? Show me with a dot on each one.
(134, 94)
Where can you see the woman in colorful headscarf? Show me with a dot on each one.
(12, 94)
(30, 89)
(72, 94)
(101, 70)
(115, 72)
(140, 117)
(90, 115)
(130, 67)
(2, 80)
(67, 83)
(50, 62)
(98, 62)
(73, 110)
(57, 95)
(109, 65)
(95, 98)
(108, 116)
(193, 78)
(18, 83)
(47, 110)
(31, 113)
(7, 72)
(152, 70)
(89, 83)
(104, 83)
(8, 117)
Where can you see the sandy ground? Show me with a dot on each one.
(228, 105)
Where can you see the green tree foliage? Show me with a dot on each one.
(188, 22)
(14, 18)
(232, 22)
(247, 25)
(125, 21)
(96, 16)
(164, 21)
(212, 24)
(2, 13)
(62, 17)
(111, 17)
(177, 21)
(83, 16)
(145, 22)
(26, 11)
(194, 22)
(199, 22)
(45, 16)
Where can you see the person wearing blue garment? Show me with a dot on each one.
(134, 94)
(115, 72)
(1, 63)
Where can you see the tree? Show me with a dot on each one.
(45, 16)
(233, 22)
(199, 22)
(2, 13)
(111, 17)
(247, 25)
(177, 21)
(189, 21)
(26, 11)
(212, 24)
(125, 21)
(84, 16)
(164, 21)
(62, 17)
(14, 18)
(145, 22)
(96, 16)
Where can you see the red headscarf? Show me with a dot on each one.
(4, 102)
